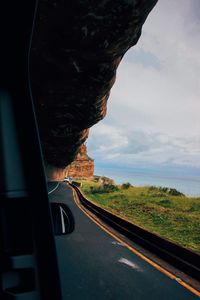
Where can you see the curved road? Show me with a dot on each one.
(95, 266)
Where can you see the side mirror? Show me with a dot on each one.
(63, 219)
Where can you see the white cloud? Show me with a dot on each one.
(107, 144)
(106, 138)
(154, 108)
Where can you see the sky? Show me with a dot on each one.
(153, 117)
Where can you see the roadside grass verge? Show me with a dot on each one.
(176, 218)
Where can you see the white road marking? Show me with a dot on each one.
(76, 67)
(118, 243)
(54, 188)
(129, 263)
(62, 219)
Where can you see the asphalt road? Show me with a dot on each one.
(95, 266)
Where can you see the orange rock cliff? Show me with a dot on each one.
(82, 166)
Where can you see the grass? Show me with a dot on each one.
(176, 218)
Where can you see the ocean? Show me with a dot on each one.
(187, 184)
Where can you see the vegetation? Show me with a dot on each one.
(163, 211)
(103, 188)
(126, 185)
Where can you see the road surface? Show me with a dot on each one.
(95, 266)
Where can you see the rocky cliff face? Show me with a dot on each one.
(82, 166)
(77, 47)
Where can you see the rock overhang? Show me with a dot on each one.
(76, 49)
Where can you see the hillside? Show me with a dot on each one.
(163, 211)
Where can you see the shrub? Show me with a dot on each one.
(152, 188)
(109, 188)
(174, 192)
(104, 188)
(160, 190)
(126, 185)
(164, 189)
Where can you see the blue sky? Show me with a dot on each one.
(153, 117)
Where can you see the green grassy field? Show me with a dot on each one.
(176, 218)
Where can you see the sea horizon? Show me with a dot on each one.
(187, 184)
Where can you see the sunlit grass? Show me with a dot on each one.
(176, 218)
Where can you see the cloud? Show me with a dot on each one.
(111, 145)
(107, 139)
(153, 111)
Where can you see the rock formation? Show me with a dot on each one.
(76, 49)
(82, 166)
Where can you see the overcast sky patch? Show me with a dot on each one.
(154, 107)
